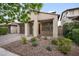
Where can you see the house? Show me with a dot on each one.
(69, 15)
(41, 24)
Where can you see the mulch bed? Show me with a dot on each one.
(40, 50)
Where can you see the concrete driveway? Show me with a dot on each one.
(5, 39)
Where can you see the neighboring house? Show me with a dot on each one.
(69, 15)
(41, 24)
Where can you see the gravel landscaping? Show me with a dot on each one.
(39, 50)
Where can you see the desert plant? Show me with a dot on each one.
(49, 48)
(24, 40)
(54, 41)
(34, 43)
(33, 39)
(64, 45)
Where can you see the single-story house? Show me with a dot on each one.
(41, 24)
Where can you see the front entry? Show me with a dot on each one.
(46, 28)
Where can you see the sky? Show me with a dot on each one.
(58, 7)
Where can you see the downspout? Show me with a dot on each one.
(60, 26)
(59, 21)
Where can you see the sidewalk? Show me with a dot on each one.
(4, 52)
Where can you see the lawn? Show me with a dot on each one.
(42, 49)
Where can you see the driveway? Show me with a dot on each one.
(5, 39)
(4, 52)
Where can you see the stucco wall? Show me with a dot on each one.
(42, 16)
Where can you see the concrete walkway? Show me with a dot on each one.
(4, 52)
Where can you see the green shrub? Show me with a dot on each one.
(33, 39)
(67, 30)
(49, 48)
(63, 44)
(75, 36)
(3, 30)
(34, 43)
(24, 40)
(68, 27)
(54, 41)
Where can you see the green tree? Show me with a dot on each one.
(20, 11)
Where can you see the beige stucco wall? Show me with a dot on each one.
(55, 27)
(26, 29)
(42, 16)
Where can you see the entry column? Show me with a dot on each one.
(26, 29)
(35, 27)
(55, 27)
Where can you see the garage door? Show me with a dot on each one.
(13, 29)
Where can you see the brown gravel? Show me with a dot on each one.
(28, 50)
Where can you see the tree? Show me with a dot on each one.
(20, 11)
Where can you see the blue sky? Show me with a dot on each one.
(58, 7)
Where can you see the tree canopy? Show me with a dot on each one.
(20, 11)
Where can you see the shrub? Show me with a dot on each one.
(3, 30)
(34, 43)
(63, 44)
(49, 48)
(75, 36)
(68, 27)
(24, 40)
(33, 39)
(54, 41)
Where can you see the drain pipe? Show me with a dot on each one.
(60, 27)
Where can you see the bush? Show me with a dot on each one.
(49, 48)
(33, 39)
(67, 30)
(75, 36)
(68, 27)
(63, 44)
(24, 40)
(3, 30)
(54, 41)
(34, 43)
